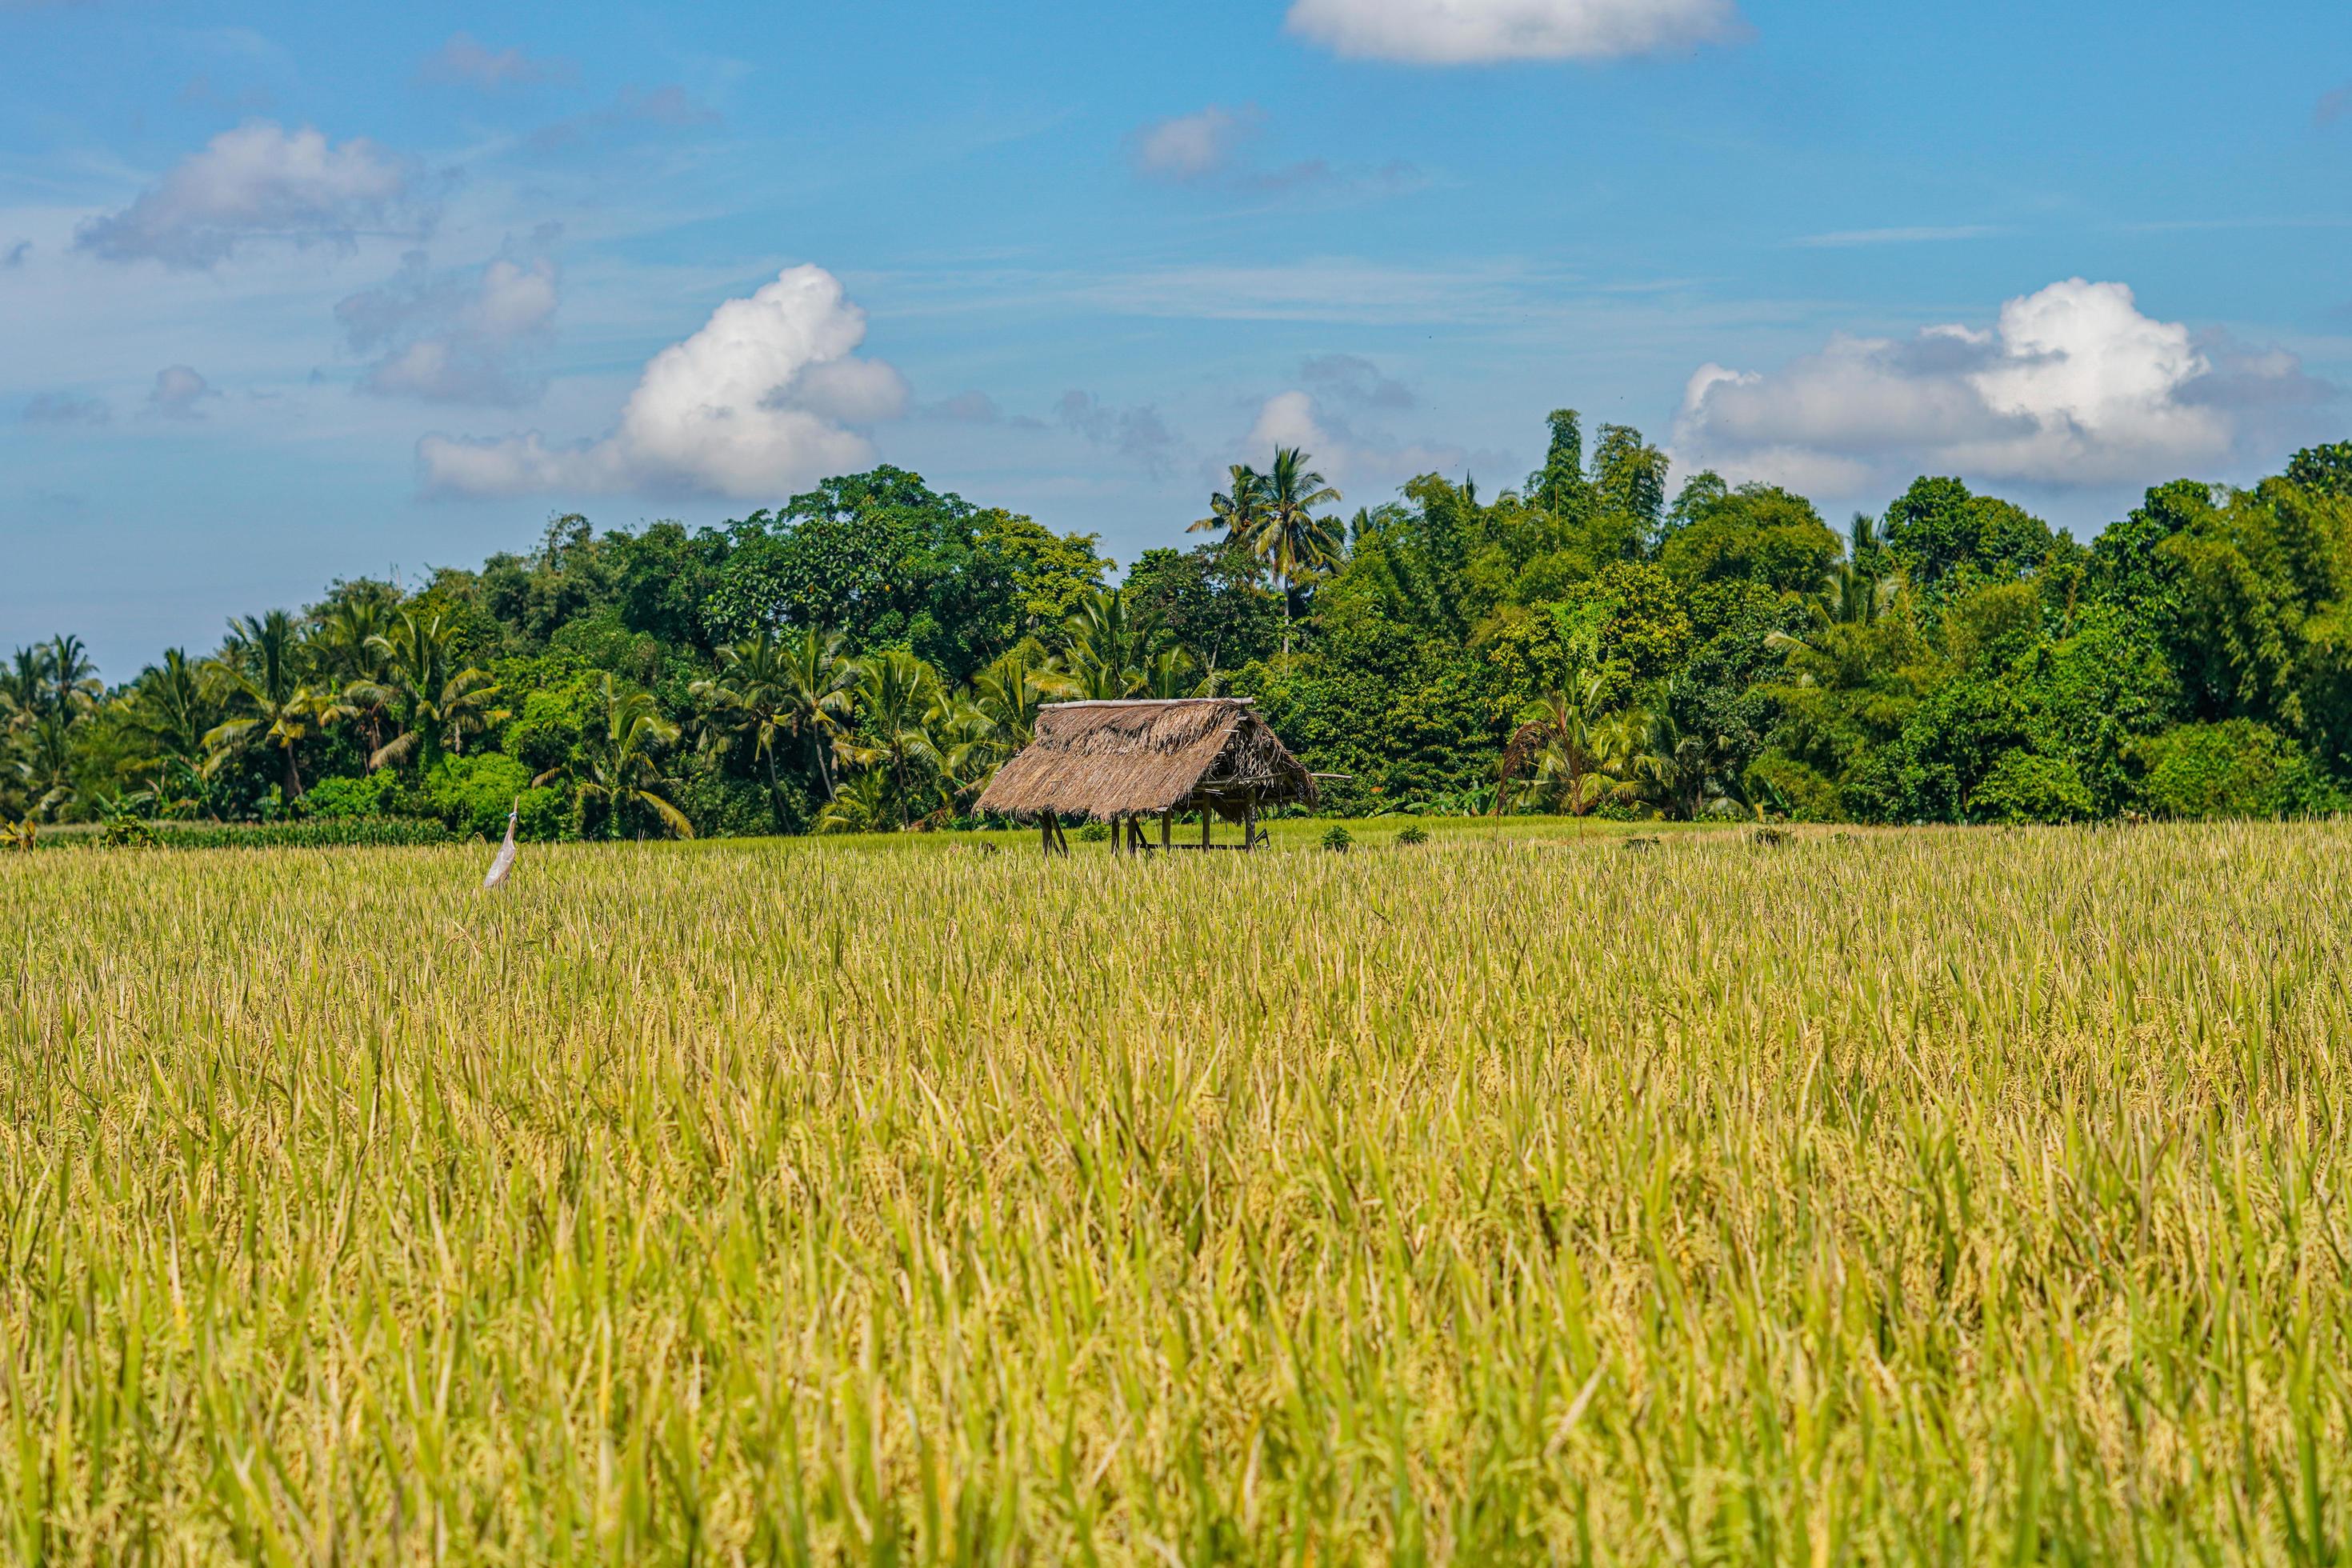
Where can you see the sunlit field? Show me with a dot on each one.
(1513, 1197)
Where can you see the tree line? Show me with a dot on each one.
(863, 657)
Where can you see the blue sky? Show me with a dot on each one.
(292, 293)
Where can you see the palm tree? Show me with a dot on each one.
(440, 704)
(900, 710)
(259, 672)
(1002, 713)
(74, 686)
(348, 650)
(1287, 535)
(1234, 512)
(1110, 646)
(24, 688)
(616, 764)
(171, 708)
(46, 766)
(816, 683)
(755, 688)
(1684, 771)
(1565, 734)
(862, 805)
(1856, 590)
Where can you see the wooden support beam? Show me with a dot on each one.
(1208, 814)
(1249, 825)
(1167, 820)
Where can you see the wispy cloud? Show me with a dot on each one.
(1847, 239)
(65, 408)
(1210, 149)
(1491, 32)
(1137, 434)
(465, 60)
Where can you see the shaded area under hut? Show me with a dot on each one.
(1122, 763)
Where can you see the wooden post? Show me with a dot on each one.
(1117, 824)
(1249, 825)
(1208, 814)
(1051, 831)
(1167, 819)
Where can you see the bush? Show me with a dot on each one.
(1413, 833)
(2235, 768)
(1094, 833)
(1338, 840)
(1802, 791)
(473, 794)
(2027, 786)
(723, 807)
(345, 798)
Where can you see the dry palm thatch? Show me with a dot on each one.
(1112, 759)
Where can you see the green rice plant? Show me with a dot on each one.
(1929, 1195)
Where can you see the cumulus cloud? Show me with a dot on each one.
(465, 60)
(65, 408)
(1195, 146)
(1351, 378)
(257, 183)
(179, 392)
(1488, 32)
(2072, 386)
(1137, 434)
(1346, 456)
(454, 338)
(758, 403)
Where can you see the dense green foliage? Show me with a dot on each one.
(863, 656)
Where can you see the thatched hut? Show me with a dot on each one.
(1122, 762)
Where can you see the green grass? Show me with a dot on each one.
(1940, 1196)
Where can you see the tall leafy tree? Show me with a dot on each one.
(901, 713)
(439, 697)
(618, 764)
(259, 678)
(1288, 536)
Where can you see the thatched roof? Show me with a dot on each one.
(1101, 758)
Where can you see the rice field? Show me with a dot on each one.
(1954, 1196)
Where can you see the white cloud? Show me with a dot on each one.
(1487, 32)
(2072, 386)
(756, 403)
(179, 393)
(1193, 146)
(466, 60)
(259, 181)
(1846, 239)
(1362, 459)
(455, 339)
